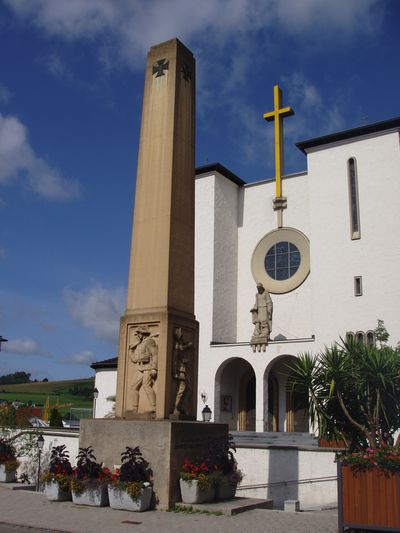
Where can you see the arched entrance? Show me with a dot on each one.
(285, 410)
(247, 402)
(273, 403)
(235, 395)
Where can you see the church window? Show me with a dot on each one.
(357, 285)
(349, 336)
(282, 260)
(370, 337)
(360, 337)
(353, 198)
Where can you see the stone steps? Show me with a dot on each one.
(269, 438)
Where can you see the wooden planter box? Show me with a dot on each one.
(368, 500)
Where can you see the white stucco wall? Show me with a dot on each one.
(106, 384)
(289, 474)
(52, 437)
(336, 258)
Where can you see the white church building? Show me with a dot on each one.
(331, 266)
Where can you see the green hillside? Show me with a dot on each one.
(77, 392)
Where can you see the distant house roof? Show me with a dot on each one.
(106, 363)
(349, 134)
(217, 167)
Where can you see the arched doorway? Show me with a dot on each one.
(284, 410)
(235, 395)
(247, 402)
(273, 403)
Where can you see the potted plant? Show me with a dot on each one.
(89, 480)
(226, 476)
(129, 487)
(58, 478)
(354, 393)
(196, 482)
(8, 461)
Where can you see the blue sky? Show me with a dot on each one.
(71, 83)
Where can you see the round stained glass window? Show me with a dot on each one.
(282, 260)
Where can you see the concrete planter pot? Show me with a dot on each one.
(93, 496)
(368, 499)
(119, 499)
(225, 490)
(191, 492)
(54, 492)
(6, 477)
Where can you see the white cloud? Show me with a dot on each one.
(129, 28)
(81, 358)
(57, 67)
(3, 253)
(317, 114)
(5, 95)
(98, 309)
(22, 346)
(18, 161)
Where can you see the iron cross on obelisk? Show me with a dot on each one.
(277, 115)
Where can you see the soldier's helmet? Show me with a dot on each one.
(143, 329)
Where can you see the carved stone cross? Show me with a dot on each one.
(160, 66)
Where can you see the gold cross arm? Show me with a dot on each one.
(277, 116)
(284, 112)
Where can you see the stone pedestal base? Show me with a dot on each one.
(259, 343)
(164, 443)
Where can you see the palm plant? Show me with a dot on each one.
(353, 390)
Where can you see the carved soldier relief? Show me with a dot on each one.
(182, 370)
(143, 366)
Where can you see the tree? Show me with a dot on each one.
(381, 333)
(15, 378)
(8, 416)
(354, 392)
(55, 419)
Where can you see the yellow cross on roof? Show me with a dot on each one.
(277, 115)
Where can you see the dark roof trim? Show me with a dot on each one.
(217, 167)
(349, 134)
(107, 363)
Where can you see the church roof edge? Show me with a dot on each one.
(349, 134)
(217, 167)
(106, 363)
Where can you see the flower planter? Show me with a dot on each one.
(54, 492)
(225, 490)
(368, 499)
(191, 492)
(120, 499)
(6, 477)
(94, 496)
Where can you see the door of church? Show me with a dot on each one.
(247, 403)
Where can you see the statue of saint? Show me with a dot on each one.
(261, 313)
(180, 370)
(144, 355)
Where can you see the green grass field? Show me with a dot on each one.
(57, 391)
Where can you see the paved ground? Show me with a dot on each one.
(29, 512)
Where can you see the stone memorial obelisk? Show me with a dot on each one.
(156, 398)
(157, 361)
